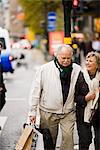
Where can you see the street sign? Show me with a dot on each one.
(51, 21)
(51, 26)
(51, 16)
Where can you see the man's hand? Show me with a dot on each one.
(90, 96)
(32, 119)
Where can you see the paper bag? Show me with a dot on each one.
(25, 140)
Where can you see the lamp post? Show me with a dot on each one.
(67, 5)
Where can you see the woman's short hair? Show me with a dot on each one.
(61, 47)
(96, 55)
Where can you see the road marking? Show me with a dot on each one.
(76, 147)
(16, 99)
(3, 120)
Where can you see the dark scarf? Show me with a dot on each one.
(64, 71)
(92, 76)
(65, 76)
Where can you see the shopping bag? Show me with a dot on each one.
(25, 140)
(31, 139)
(47, 138)
(39, 143)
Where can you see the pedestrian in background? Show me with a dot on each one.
(2, 85)
(53, 90)
(88, 114)
(96, 43)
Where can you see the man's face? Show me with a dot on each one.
(65, 58)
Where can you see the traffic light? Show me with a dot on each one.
(75, 3)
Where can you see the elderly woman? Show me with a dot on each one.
(88, 115)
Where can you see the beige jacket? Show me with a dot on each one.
(47, 91)
(93, 86)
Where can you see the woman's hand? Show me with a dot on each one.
(90, 96)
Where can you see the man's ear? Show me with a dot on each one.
(57, 56)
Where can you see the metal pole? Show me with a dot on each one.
(67, 5)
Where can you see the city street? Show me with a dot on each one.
(14, 113)
(30, 33)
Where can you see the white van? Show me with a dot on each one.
(6, 52)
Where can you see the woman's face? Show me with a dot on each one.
(91, 64)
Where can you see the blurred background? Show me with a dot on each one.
(28, 19)
(31, 30)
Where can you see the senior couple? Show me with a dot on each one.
(66, 93)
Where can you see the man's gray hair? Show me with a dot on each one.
(63, 47)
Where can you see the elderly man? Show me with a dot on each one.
(54, 92)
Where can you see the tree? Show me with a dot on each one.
(36, 13)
